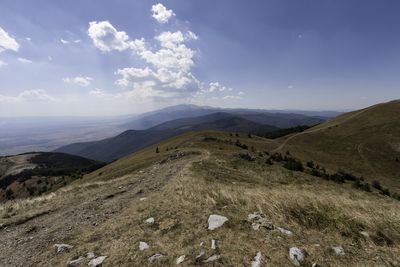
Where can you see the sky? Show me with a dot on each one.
(98, 58)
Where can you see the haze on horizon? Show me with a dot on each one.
(107, 58)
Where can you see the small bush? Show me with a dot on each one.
(310, 164)
(376, 184)
(385, 192)
(246, 157)
(9, 193)
(293, 165)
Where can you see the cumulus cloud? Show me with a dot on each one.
(64, 41)
(106, 38)
(169, 63)
(161, 14)
(24, 60)
(28, 95)
(216, 87)
(7, 42)
(79, 80)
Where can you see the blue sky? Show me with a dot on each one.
(97, 57)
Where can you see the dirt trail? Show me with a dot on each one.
(86, 205)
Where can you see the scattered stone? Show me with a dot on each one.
(201, 254)
(257, 260)
(143, 246)
(216, 221)
(180, 259)
(296, 256)
(76, 262)
(284, 231)
(315, 265)
(201, 244)
(97, 261)
(90, 255)
(212, 258)
(213, 244)
(339, 251)
(62, 247)
(142, 198)
(364, 233)
(150, 220)
(155, 257)
(259, 220)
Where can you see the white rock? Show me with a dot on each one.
(201, 244)
(76, 262)
(216, 221)
(155, 257)
(201, 254)
(180, 259)
(142, 198)
(364, 233)
(97, 261)
(143, 246)
(90, 255)
(257, 260)
(296, 256)
(284, 231)
(213, 244)
(62, 247)
(212, 258)
(339, 251)
(150, 220)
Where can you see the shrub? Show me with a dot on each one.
(294, 165)
(310, 164)
(9, 193)
(246, 156)
(366, 187)
(376, 184)
(157, 150)
(385, 192)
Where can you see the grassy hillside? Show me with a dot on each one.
(193, 176)
(32, 174)
(132, 140)
(364, 142)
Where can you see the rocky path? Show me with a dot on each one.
(87, 205)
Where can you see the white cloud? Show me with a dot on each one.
(7, 42)
(64, 41)
(168, 72)
(79, 80)
(3, 64)
(191, 36)
(77, 41)
(28, 39)
(50, 58)
(106, 38)
(24, 60)
(99, 93)
(216, 87)
(227, 97)
(28, 96)
(161, 13)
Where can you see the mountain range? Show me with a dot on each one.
(132, 140)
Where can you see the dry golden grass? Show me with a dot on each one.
(181, 193)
